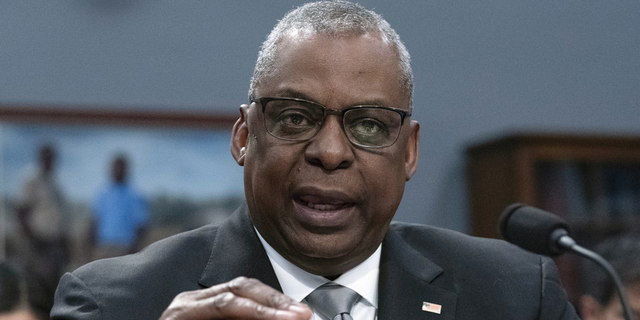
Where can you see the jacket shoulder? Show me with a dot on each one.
(514, 283)
(441, 244)
(139, 285)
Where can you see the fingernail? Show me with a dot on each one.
(284, 314)
(297, 308)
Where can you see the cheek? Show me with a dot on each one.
(389, 173)
(385, 183)
(268, 171)
(266, 185)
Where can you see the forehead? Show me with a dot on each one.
(321, 66)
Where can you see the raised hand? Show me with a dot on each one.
(240, 298)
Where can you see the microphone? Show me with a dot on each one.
(547, 234)
(534, 229)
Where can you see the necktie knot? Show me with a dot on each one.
(333, 301)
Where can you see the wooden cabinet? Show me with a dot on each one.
(591, 181)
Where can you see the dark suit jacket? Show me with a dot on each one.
(471, 278)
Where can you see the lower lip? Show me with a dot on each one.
(322, 219)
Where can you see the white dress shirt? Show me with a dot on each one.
(297, 283)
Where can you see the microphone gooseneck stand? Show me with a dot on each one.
(569, 244)
(545, 233)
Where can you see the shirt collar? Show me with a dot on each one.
(297, 283)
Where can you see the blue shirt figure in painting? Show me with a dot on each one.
(120, 216)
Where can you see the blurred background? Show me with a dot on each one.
(161, 81)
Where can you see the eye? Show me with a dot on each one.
(294, 117)
(292, 121)
(368, 130)
(367, 127)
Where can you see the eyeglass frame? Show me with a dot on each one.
(263, 101)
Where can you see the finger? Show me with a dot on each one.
(230, 306)
(251, 289)
(209, 292)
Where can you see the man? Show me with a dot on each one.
(120, 215)
(599, 299)
(43, 215)
(327, 145)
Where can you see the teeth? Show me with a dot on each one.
(322, 207)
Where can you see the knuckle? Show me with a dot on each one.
(222, 301)
(241, 283)
(278, 300)
(221, 304)
(240, 279)
(261, 310)
(186, 296)
(183, 295)
(257, 310)
(228, 303)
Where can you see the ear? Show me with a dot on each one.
(590, 308)
(239, 135)
(412, 150)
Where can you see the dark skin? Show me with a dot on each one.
(362, 186)
(323, 204)
(241, 298)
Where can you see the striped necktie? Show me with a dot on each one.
(333, 301)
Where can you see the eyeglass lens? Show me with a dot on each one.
(299, 120)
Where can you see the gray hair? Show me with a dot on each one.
(337, 19)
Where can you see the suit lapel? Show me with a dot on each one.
(407, 282)
(237, 251)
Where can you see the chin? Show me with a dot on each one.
(330, 249)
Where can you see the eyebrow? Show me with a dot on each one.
(290, 93)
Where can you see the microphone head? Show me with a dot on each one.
(532, 229)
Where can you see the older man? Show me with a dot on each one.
(327, 144)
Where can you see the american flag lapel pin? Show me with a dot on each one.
(431, 307)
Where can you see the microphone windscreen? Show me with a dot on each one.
(531, 228)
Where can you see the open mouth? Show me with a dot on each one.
(324, 211)
(323, 203)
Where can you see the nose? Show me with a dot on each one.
(330, 148)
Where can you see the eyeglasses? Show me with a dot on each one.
(366, 126)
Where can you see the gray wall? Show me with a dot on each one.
(481, 68)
